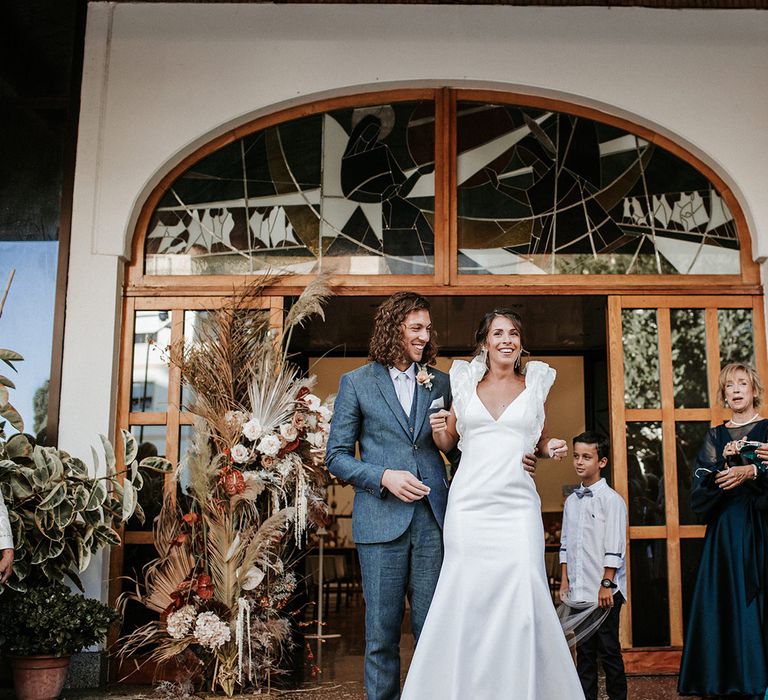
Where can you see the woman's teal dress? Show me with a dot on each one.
(726, 642)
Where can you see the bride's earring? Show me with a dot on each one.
(518, 360)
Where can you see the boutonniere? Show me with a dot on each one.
(424, 377)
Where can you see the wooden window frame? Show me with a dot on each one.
(446, 276)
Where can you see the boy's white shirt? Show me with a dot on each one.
(593, 538)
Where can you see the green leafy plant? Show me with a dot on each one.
(51, 620)
(61, 515)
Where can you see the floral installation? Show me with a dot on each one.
(221, 582)
(424, 377)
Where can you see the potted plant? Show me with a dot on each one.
(42, 628)
(60, 516)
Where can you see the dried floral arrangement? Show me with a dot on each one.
(256, 482)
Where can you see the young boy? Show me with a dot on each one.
(592, 551)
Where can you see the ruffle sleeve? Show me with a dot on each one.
(464, 376)
(539, 378)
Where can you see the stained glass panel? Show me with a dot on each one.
(542, 192)
(348, 192)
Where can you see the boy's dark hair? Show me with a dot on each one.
(590, 437)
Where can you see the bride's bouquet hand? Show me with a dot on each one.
(557, 448)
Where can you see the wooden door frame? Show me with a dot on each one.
(667, 659)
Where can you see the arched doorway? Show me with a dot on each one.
(473, 195)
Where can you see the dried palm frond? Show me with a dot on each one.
(217, 363)
(223, 560)
(259, 545)
(272, 393)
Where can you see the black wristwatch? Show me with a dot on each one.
(607, 583)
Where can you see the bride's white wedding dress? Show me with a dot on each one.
(492, 632)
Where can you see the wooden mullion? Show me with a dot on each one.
(125, 383)
(634, 415)
(713, 357)
(442, 193)
(693, 414)
(691, 531)
(758, 330)
(672, 510)
(647, 532)
(148, 418)
(174, 404)
(619, 438)
(139, 537)
(452, 189)
(685, 302)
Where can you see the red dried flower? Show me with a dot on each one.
(204, 587)
(232, 481)
(191, 518)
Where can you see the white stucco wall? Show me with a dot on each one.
(161, 79)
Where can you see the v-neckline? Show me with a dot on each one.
(506, 408)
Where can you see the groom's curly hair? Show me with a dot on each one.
(387, 339)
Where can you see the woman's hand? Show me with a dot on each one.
(557, 449)
(734, 476)
(439, 420)
(762, 453)
(732, 448)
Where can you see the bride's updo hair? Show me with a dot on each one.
(485, 325)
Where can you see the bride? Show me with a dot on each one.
(492, 632)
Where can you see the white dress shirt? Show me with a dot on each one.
(593, 538)
(6, 537)
(405, 385)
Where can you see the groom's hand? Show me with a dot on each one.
(403, 485)
(529, 464)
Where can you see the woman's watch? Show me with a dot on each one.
(607, 583)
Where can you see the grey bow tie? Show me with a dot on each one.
(583, 492)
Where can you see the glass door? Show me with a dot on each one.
(665, 354)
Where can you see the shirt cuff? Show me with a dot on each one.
(6, 542)
(563, 557)
(613, 561)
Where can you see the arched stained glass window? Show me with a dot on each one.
(542, 192)
(352, 191)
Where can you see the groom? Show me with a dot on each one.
(399, 478)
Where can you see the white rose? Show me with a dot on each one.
(269, 445)
(311, 421)
(234, 417)
(252, 430)
(325, 413)
(289, 432)
(316, 439)
(240, 453)
(312, 401)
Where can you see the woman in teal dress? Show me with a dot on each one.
(726, 641)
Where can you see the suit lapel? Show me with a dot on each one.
(422, 404)
(387, 389)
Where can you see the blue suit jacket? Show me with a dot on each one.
(367, 412)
